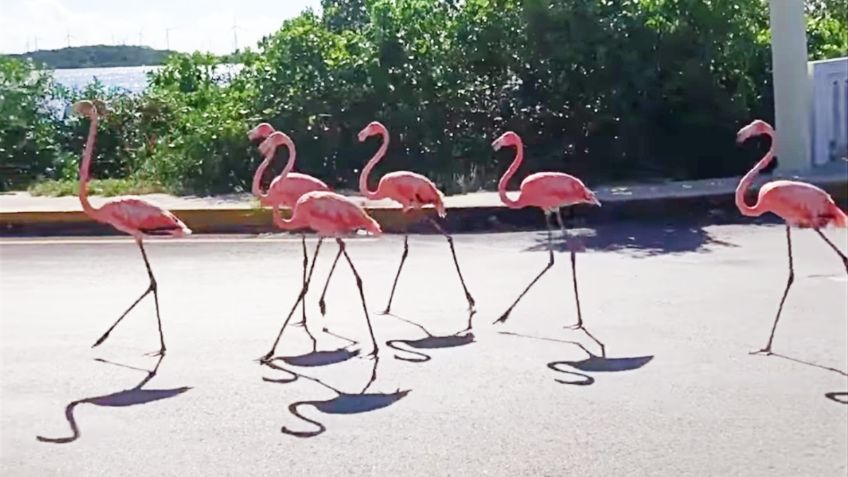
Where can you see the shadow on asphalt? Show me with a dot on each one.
(128, 397)
(592, 364)
(344, 403)
(838, 397)
(643, 239)
(430, 341)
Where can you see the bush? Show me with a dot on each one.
(609, 90)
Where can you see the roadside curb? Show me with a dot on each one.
(715, 206)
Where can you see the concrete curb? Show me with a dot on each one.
(713, 206)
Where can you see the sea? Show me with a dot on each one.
(132, 79)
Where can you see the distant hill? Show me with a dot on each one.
(97, 56)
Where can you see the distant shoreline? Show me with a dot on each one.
(97, 56)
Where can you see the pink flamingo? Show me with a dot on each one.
(132, 216)
(413, 191)
(799, 204)
(548, 191)
(284, 192)
(330, 215)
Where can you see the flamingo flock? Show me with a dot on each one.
(330, 215)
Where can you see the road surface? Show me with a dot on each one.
(678, 307)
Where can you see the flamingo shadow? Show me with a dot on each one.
(430, 341)
(343, 403)
(127, 397)
(320, 358)
(838, 397)
(592, 364)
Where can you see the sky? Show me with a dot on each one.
(184, 25)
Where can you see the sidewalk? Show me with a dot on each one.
(23, 214)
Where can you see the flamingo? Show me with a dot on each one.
(132, 216)
(330, 215)
(549, 191)
(412, 191)
(284, 193)
(799, 204)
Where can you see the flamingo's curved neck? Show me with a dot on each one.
(748, 179)
(293, 408)
(257, 177)
(363, 177)
(516, 163)
(85, 175)
(279, 221)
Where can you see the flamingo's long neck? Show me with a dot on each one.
(516, 163)
(86, 166)
(748, 179)
(294, 222)
(257, 177)
(363, 177)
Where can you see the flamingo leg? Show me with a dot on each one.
(550, 264)
(153, 287)
(468, 297)
(767, 349)
(303, 303)
(573, 253)
(397, 275)
(361, 296)
(835, 249)
(321, 303)
(267, 357)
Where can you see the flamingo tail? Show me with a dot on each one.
(840, 219)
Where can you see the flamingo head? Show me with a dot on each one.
(274, 140)
(589, 197)
(508, 139)
(90, 108)
(261, 131)
(374, 128)
(756, 128)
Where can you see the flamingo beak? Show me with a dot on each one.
(593, 199)
(496, 144)
(363, 135)
(253, 134)
(266, 147)
(745, 133)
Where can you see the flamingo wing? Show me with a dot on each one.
(135, 216)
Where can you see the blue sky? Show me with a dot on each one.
(194, 24)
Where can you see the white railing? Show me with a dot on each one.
(829, 128)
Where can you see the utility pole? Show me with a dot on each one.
(36, 42)
(140, 38)
(68, 37)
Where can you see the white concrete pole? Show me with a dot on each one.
(791, 83)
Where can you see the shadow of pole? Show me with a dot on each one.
(128, 397)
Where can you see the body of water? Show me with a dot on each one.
(130, 78)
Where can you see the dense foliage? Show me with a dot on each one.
(607, 89)
(97, 56)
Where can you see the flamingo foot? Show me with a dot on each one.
(764, 352)
(322, 307)
(387, 311)
(300, 323)
(578, 326)
(100, 340)
(503, 317)
(161, 352)
(372, 355)
(266, 358)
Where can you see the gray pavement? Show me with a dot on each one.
(679, 306)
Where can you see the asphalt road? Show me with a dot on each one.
(678, 307)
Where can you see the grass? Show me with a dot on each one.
(103, 187)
